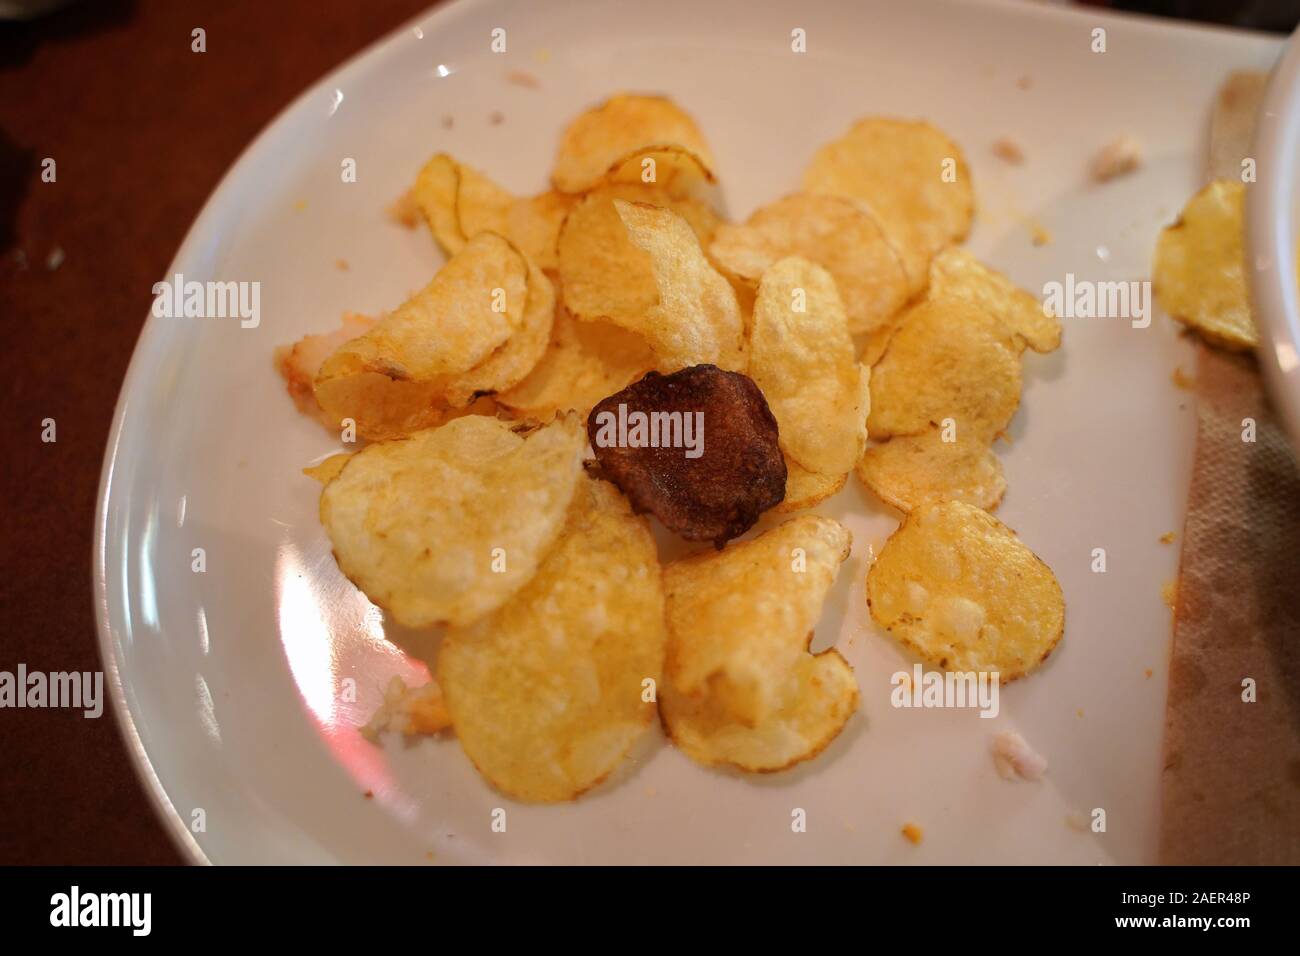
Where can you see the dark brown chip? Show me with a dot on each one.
(647, 440)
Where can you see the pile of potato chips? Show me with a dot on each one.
(878, 345)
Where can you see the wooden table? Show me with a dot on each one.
(141, 129)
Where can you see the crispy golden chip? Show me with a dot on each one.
(300, 362)
(877, 340)
(804, 488)
(511, 363)
(949, 359)
(740, 686)
(913, 177)
(910, 471)
(838, 234)
(585, 362)
(392, 379)
(958, 587)
(801, 356)
(459, 202)
(605, 275)
(955, 273)
(605, 140)
(696, 318)
(327, 470)
(447, 524)
(549, 693)
(1199, 273)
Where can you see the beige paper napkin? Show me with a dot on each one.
(1231, 785)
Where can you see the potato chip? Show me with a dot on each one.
(584, 362)
(392, 379)
(949, 359)
(696, 318)
(327, 470)
(1199, 272)
(511, 363)
(804, 488)
(913, 177)
(877, 340)
(740, 686)
(300, 362)
(836, 233)
(801, 356)
(459, 202)
(957, 587)
(605, 140)
(547, 694)
(955, 273)
(447, 524)
(604, 274)
(915, 470)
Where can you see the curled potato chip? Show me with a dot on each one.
(584, 362)
(511, 363)
(801, 356)
(459, 202)
(696, 318)
(913, 177)
(949, 359)
(392, 379)
(605, 274)
(804, 488)
(958, 587)
(447, 524)
(546, 693)
(914, 470)
(955, 273)
(836, 233)
(740, 686)
(300, 362)
(605, 140)
(1199, 272)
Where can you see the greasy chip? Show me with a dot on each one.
(958, 587)
(740, 686)
(804, 488)
(913, 177)
(949, 359)
(511, 363)
(1199, 273)
(914, 470)
(801, 356)
(584, 362)
(547, 694)
(605, 275)
(608, 139)
(391, 380)
(300, 362)
(955, 273)
(697, 316)
(838, 234)
(697, 449)
(459, 202)
(447, 524)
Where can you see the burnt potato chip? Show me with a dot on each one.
(697, 449)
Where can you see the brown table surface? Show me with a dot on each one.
(141, 129)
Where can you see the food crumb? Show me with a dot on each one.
(55, 258)
(428, 855)
(1079, 713)
(1008, 150)
(1169, 594)
(369, 794)
(1182, 379)
(523, 78)
(404, 211)
(1147, 673)
(448, 121)
(341, 265)
(1168, 537)
(1015, 759)
(1038, 235)
(912, 833)
(300, 205)
(496, 118)
(1118, 157)
(1025, 83)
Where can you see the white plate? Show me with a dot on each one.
(228, 682)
